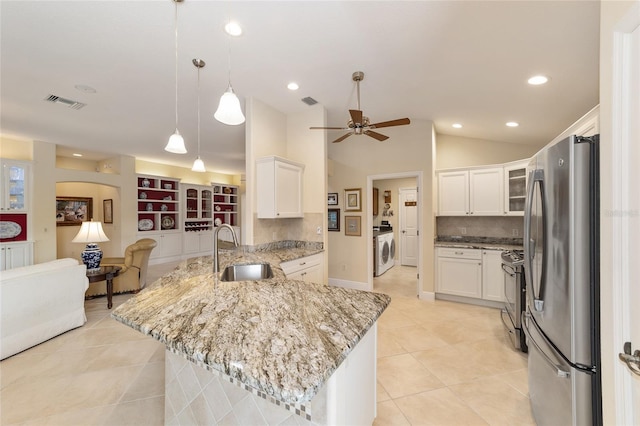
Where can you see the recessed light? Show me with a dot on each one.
(75, 154)
(293, 86)
(84, 88)
(512, 124)
(456, 126)
(233, 29)
(537, 80)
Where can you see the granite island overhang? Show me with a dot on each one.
(281, 340)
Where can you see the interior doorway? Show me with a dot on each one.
(386, 220)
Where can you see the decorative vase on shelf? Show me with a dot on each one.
(145, 183)
(149, 207)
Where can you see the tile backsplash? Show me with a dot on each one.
(480, 226)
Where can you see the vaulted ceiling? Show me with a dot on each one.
(447, 61)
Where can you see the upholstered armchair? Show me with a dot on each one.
(133, 276)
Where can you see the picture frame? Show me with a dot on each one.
(107, 210)
(352, 199)
(72, 211)
(352, 226)
(333, 223)
(332, 198)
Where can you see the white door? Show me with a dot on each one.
(408, 226)
(630, 283)
(623, 221)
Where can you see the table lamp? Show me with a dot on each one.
(91, 233)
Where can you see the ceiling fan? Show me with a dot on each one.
(359, 124)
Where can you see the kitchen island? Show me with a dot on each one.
(273, 348)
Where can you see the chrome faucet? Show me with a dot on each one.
(216, 260)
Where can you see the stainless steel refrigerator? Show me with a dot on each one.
(562, 320)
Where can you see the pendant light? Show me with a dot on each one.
(229, 111)
(176, 142)
(198, 165)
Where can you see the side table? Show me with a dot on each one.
(105, 273)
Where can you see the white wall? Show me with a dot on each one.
(456, 151)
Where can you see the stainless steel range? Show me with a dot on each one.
(515, 295)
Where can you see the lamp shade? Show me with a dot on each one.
(90, 232)
(198, 165)
(229, 111)
(176, 144)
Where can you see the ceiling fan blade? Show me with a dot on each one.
(398, 122)
(343, 137)
(356, 116)
(376, 135)
(330, 128)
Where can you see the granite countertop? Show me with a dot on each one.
(281, 337)
(481, 243)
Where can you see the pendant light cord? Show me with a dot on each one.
(198, 112)
(229, 57)
(175, 27)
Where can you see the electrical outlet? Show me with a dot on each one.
(515, 232)
(319, 230)
(463, 231)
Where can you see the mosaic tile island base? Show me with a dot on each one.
(279, 340)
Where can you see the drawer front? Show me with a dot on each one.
(297, 265)
(459, 253)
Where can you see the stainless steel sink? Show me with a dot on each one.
(251, 272)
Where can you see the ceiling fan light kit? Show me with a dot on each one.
(361, 125)
(176, 141)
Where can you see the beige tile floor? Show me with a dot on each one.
(439, 363)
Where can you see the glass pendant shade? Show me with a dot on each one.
(176, 144)
(229, 111)
(198, 165)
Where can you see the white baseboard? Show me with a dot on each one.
(427, 295)
(356, 285)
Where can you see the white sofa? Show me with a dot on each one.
(39, 302)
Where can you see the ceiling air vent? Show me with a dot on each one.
(66, 102)
(309, 101)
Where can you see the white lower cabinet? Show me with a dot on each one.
(492, 275)
(308, 269)
(198, 242)
(459, 272)
(169, 246)
(15, 255)
(470, 273)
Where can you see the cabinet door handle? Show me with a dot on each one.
(460, 253)
(303, 263)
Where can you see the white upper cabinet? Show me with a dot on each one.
(471, 192)
(279, 188)
(453, 193)
(486, 192)
(14, 196)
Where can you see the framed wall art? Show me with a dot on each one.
(73, 210)
(107, 210)
(334, 220)
(352, 226)
(332, 198)
(352, 200)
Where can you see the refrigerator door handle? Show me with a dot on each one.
(531, 341)
(536, 177)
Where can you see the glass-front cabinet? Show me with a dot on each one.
(198, 203)
(515, 188)
(15, 186)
